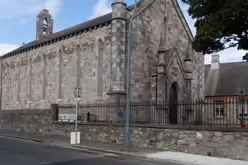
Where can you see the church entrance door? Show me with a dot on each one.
(173, 104)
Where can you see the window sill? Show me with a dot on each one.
(219, 117)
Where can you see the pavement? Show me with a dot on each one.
(190, 159)
(33, 149)
(84, 144)
(142, 154)
(23, 152)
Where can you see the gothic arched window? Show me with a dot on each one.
(44, 76)
(100, 68)
(59, 74)
(78, 58)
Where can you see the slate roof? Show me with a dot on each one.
(227, 80)
(75, 29)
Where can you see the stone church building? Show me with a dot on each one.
(92, 56)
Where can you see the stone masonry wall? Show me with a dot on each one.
(30, 121)
(35, 79)
(198, 84)
(146, 34)
(35, 85)
(219, 142)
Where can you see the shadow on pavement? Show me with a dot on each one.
(94, 161)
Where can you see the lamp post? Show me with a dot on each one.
(127, 140)
(242, 99)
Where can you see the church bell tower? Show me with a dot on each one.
(44, 24)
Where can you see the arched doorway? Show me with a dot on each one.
(173, 104)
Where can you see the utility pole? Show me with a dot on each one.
(127, 143)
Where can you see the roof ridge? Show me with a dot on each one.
(230, 63)
(63, 33)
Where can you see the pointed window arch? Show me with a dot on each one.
(18, 82)
(78, 65)
(100, 68)
(30, 80)
(166, 29)
(59, 74)
(44, 76)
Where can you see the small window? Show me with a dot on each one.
(100, 68)
(219, 109)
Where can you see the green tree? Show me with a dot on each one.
(220, 24)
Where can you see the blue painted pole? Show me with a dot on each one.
(127, 144)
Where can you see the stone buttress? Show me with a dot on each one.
(118, 48)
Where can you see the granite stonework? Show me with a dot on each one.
(42, 91)
(32, 121)
(44, 24)
(211, 141)
(161, 24)
(48, 71)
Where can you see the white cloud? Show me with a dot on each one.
(53, 6)
(101, 7)
(229, 55)
(22, 9)
(5, 48)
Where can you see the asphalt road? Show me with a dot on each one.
(20, 152)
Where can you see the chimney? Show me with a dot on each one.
(215, 63)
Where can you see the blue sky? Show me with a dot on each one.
(18, 19)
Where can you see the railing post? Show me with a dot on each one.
(55, 112)
(242, 99)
